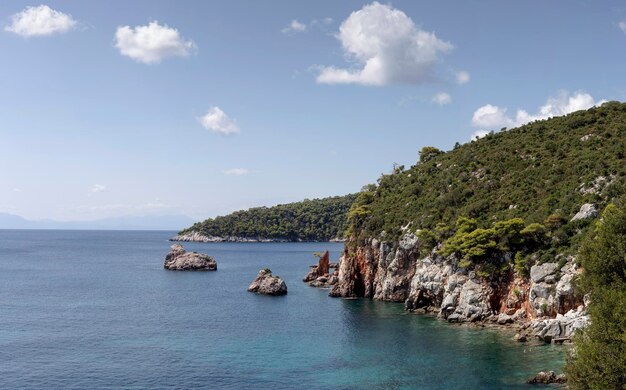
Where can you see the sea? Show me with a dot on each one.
(96, 310)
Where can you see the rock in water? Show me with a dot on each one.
(268, 284)
(180, 260)
(321, 269)
(546, 377)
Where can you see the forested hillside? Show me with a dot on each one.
(545, 168)
(309, 220)
(512, 193)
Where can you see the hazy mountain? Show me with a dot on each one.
(157, 222)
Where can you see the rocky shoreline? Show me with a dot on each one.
(199, 237)
(543, 306)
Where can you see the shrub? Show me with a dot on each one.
(598, 360)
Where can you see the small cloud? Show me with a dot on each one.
(442, 98)
(491, 117)
(494, 118)
(152, 43)
(216, 120)
(294, 27)
(622, 26)
(40, 21)
(462, 77)
(327, 20)
(96, 188)
(236, 171)
(17, 190)
(386, 47)
(478, 134)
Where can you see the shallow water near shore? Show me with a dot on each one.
(96, 309)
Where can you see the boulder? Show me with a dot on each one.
(178, 259)
(587, 211)
(312, 275)
(504, 319)
(546, 377)
(268, 284)
(539, 272)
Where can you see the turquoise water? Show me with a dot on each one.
(81, 309)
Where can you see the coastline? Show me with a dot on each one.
(199, 237)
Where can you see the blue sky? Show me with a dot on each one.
(201, 108)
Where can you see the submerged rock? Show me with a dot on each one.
(268, 284)
(180, 260)
(546, 377)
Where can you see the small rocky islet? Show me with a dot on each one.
(267, 284)
(319, 274)
(178, 259)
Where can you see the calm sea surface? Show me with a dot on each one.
(95, 309)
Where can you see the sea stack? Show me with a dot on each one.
(180, 260)
(268, 284)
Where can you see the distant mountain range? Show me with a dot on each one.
(160, 222)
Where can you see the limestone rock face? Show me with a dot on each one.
(587, 211)
(268, 284)
(561, 327)
(396, 271)
(549, 296)
(178, 259)
(473, 302)
(429, 284)
(539, 272)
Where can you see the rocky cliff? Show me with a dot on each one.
(545, 304)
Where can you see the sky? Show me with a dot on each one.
(200, 108)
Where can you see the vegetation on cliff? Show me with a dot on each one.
(309, 220)
(514, 191)
(598, 360)
(543, 168)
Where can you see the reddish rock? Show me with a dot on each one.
(323, 266)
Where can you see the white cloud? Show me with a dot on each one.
(294, 27)
(327, 20)
(622, 26)
(152, 43)
(462, 77)
(236, 171)
(216, 120)
(478, 134)
(493, 117)
(442, 98)
(97, 188)
(387, 47)
(39, 21)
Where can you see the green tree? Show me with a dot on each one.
(428, 152)
(598, 360)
